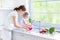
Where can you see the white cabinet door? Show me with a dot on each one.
(21, 36)
(18, 36)
(6, 35)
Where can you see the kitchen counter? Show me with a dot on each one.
(33, 35)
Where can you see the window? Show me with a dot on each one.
(46, 11)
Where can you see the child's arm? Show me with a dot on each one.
(26, 23)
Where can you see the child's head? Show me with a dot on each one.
(25, 15)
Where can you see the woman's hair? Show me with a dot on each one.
(26, 13)
(22, 7)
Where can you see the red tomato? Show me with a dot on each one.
(30, 28)
(43, 31)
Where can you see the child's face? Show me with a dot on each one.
(26, 16)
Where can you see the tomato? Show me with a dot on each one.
(43, 31)
(30, 28)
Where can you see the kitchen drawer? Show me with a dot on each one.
(21, 36)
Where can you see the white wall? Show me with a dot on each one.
(3, 15)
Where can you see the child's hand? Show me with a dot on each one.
(29, 24)
(26, 27)
(29, 28)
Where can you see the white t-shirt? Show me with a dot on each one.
(10, 24)
(14, 13)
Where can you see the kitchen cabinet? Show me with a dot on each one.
(24, 36)
(6, 34)
(31, 35)
(1, 32)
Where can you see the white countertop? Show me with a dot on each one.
(55, 36)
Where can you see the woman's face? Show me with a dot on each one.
(21, 11)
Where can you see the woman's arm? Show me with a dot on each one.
(16, 24)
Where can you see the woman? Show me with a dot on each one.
(12, 21)
(13, 17)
